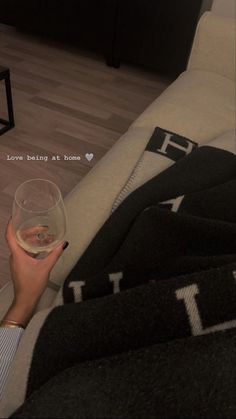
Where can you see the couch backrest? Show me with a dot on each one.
(224, 8)
(214, 45)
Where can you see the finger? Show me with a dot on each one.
(53, 256)
(10, 238)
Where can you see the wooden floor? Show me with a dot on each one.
(67, 102)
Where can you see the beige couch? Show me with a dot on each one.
(199, 105)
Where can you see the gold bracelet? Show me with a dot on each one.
(11, 323)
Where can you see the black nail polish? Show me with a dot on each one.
(65, 245)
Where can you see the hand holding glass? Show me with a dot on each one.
(38, 217)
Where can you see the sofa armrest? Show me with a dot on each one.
(214, 45)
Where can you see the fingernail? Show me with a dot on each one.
(65, 245)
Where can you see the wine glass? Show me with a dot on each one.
(38, 217)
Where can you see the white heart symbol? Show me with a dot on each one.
(89, 156)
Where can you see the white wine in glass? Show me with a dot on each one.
(38, 217)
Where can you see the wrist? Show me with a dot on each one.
(11, 324)
(28, 302)
(20, 312)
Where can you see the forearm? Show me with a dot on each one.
(29, 276)
(20, 311)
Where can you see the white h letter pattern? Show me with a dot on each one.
(167, 142)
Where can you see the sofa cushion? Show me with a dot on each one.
(214, 45)
(224, 8)
(200, 105)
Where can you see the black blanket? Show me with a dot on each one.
(156, 335)
(181, 221)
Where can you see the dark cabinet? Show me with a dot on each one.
(152, 33)
(155, 33)
(86, 23)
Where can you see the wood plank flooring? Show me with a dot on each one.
(66, 102)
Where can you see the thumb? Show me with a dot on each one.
(53, 256)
